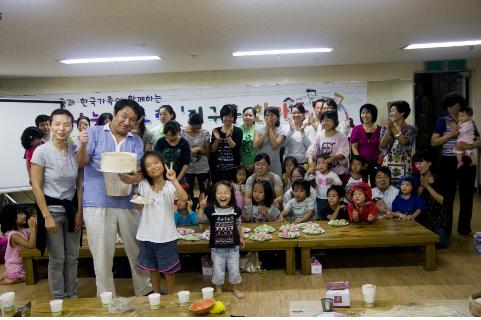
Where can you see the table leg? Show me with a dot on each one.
(306, 260)
(290, 261)
(430, 257)
(29, 270)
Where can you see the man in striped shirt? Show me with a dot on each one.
(105, 216)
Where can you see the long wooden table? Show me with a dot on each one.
(92, 307)
(381, 233)
(30, 256)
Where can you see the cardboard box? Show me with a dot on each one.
(339, 292)
(316, 266)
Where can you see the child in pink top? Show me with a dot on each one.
(31, 138)
(13, 220)
(239, 185)
(466, 134)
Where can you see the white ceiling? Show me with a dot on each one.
(195, 35)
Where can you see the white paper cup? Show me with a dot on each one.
(154, 300)
(56, 306)
(184, 297)
(8, 300)
(106, 298)
(368, 294)
(208, 293)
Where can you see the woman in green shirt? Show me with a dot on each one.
(248, 152)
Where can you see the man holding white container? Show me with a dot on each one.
(105, 215)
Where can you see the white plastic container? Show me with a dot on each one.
(184, 297)
(56, 306)
(154, 300)
(368, 294)
(114, 187)
(208, 293)
(8, 300)
(106, 298)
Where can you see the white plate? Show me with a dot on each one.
(264, 228)
(141, 201)
(338, 223)
(313, 231)
(294, 235)
(254, 238)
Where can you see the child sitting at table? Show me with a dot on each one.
(239, 185)
(337, 208)
(225, 235)
(381, 209)
(13, 220)
(301, 208)
(407, 205)
(185, 215)
(361, 208)
(354, 175)
(261, 209)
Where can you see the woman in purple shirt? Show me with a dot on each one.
(365, 140)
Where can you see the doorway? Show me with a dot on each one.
(429, 90)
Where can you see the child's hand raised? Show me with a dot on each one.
(32, 222)
(170, 172)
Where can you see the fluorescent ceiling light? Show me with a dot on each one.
(286, 51)
(443, 44)
(111, 59)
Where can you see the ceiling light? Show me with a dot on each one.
(286, 51)
(442, 44)
(111, 59)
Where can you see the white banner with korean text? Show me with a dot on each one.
(350, 95)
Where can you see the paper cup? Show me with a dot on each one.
(8, 300)
(184, 297)
(106, 298)
(368, 294)
(56, 306)
(327, 304)
(208, 293)
(154, 300)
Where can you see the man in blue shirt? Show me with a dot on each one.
(104, 215)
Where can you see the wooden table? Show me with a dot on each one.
(381, 233)
(276, 244)
(92, 307)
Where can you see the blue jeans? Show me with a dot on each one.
(222, 257)
(63, 251)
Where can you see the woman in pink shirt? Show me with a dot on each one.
(365, 140)
(329, 141)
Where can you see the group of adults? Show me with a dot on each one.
(69, 189)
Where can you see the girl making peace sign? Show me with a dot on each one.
(157, 233)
